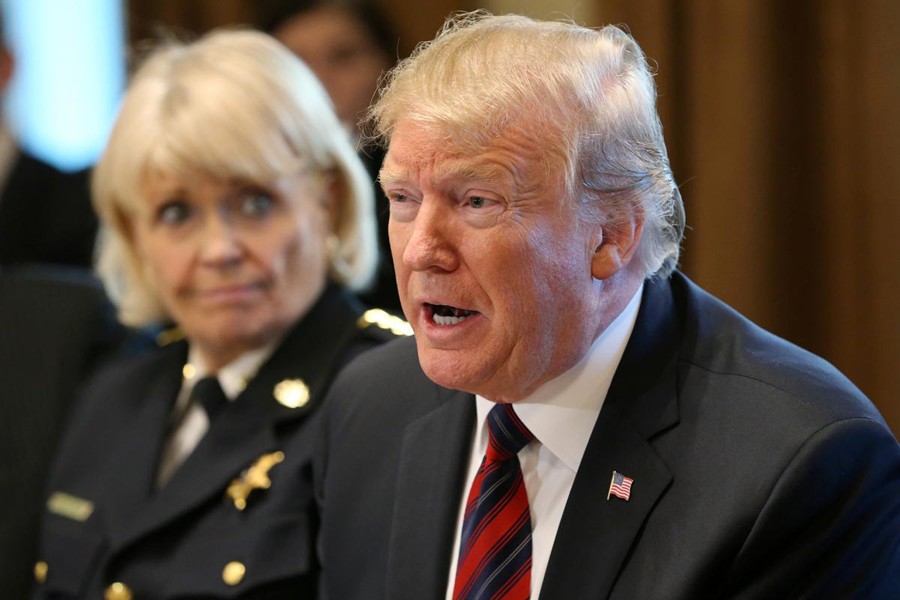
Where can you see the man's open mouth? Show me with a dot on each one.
(443, 314)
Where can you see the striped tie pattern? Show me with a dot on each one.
(495, 546)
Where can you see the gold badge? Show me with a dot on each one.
(292, 393)
(254, 478)
(71, 507)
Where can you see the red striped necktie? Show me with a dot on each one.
(495, 546)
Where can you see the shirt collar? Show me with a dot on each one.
(234, 376)
(562, 412)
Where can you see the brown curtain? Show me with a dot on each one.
(783, 124)
(413, 21)
(783, 120)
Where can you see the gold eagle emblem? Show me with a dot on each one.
(255, 477)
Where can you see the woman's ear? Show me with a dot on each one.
(615, 246)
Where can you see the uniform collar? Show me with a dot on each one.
(234, 376)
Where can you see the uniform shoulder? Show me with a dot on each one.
(372, 328)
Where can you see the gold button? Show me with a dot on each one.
(292, 393)
(40, 571)
(118, 591)
(233, 573)
(188, 371)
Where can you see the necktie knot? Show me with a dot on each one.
(506, 433)
(209, 394)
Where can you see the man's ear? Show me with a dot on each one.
(615, 246)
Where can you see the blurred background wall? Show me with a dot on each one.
(783, 125)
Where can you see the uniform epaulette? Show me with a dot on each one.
(169, 336)
(384, 320)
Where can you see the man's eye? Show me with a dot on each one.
(256, 204)
(174, 212)
(478, 202)
(397, 197)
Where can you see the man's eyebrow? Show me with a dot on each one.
(391, 176)
(483, 171)
(450, 172)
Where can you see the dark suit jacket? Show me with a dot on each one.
(759, 472)
(55, 327)
(176, 542)
(46, 215)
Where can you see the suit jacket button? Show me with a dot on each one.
(233, 573)
(40, 571)
(118, 591)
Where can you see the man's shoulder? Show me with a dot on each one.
(723, 351)
(385, 384)
(395, 362)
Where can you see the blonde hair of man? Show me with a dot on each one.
(587, 95)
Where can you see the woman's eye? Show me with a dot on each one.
(256, 204)
(174, 212)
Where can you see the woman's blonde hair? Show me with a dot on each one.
(234, 105)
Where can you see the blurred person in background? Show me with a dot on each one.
(56, 327)
(233, 206)
(45, 214)
(348, 45)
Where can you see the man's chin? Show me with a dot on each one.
(453, 369)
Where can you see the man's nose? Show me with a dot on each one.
(430, 245)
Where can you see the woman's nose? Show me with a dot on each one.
(220, 242)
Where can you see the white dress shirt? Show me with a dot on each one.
(233, 378)
(561, 414)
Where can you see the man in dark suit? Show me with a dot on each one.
(574, 418)
(56, 327)
(45, 214)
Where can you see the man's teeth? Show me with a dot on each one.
(449, 315)
(449, 320)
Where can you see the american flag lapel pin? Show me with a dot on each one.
(619, 486)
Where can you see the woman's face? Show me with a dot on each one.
(235, 265)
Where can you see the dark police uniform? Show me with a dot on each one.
(236, 519)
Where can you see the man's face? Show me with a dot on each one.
(493, 262)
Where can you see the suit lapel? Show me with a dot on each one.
(431, 474)
(596, 534)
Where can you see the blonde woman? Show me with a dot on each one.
(234, 208)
